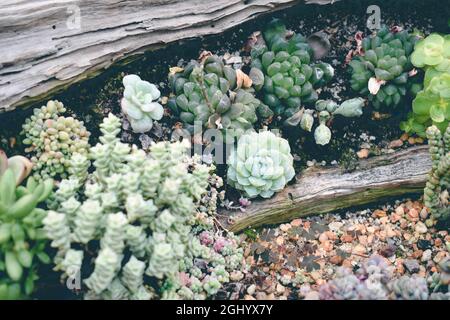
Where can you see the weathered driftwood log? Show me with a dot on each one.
(48, 45)
(322, 190)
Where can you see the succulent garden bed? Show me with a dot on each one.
(300, 155)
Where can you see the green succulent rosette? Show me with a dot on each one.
(430, 107)
(387, 60)
(214, 94)
(290, 77)
(261, 164)
(139, 103)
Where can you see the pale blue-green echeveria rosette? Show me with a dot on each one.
(139, 103)
(261, 164)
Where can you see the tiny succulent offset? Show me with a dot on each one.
(260, 165)
(215, 95)
(328, 109)
(436, 192)
(140, 215)
(139, 103)
(290, 77)
(384, 71)
(53, 139)
(22, 240)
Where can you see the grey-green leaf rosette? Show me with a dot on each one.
(261, 164)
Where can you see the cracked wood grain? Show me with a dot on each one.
(45, 50)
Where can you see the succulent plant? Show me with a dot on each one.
(260, 165)
(20, 165)
(290, 77)
(440, 281)
(409, 288)
(374, 280)
(53, 139)
(383, 71)
(216, 96)
(436, 192)
(140, 215)
(139, 103)
(433, 52)
(327, 109)
(22, 241)
(430, 107)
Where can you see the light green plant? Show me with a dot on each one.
(290, 78)
(139, 103)
(216, 96)
(436, 193)
(433, 52)
(261, 164)
(22, 241)
(383, 72)
(139, 215)
(430, 107)
(328, 109)
(53, 139)
(432, 104)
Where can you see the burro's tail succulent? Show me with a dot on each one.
(436, 193)
(215, 95)
(139, 103)
(290, 78)
(384, 71)
(261, 164)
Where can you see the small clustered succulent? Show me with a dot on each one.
(260, 165)
(440, 281)
(139, 215)
(384, 70)
(216, 96)
(432, 104)
(373, 281)
(327, 109)
(289, 76)
(436, 192)
(139, 103)
(22, 240)
(53, 139)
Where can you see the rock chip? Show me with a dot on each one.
(411, 265)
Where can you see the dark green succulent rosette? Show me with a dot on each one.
(290, 77)
(216, 95)
(386, 59)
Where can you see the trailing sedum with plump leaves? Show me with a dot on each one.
(139, 103)
(22, 240)
(290, 77)
(137, 218)
(216, 96)
(384, 70)
(436, 193)
(261, 164)
(53, 139)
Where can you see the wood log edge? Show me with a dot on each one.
(323, 190)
